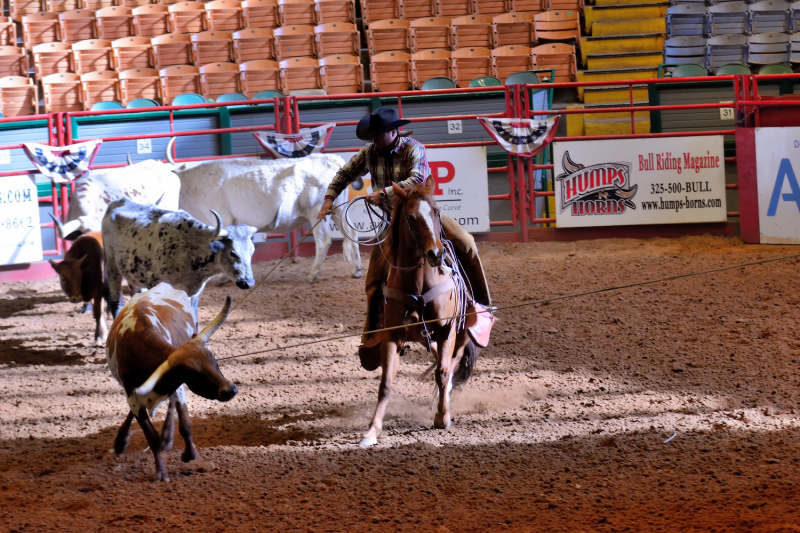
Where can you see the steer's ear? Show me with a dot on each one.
(147, 387)
(216, 246)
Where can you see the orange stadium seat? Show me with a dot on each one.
(296, 12)
(217, 79)
(431, 33)
(62, 92)
(13, 61)
(38, 28)
(130, 4)
(96, 4)
(508, 60)
(114, 22)
(77, 25)
(564, 5)
(92, 55)
(260, 14)
(8, 32)
(489, 7)
(473, 31)
(132, 53)
(172, 49)
(224, 15)
(558, 56)
(59, 6)
(391, 71)
(375, 10)
(337, 38)
(528, 6)
(451, 8)
(212, 47)
(416, 9)
(430, 64)
(167, 3)
(177, 80)
(20, 8)
(559, 26)
(388, 36)
(299, 73)
(259, 75)
(99, 87)
(341, 74)
(51, 58)
(293, 41)
(186, 17)
(514, 28)
(327, 11)
(18, 96)
(471, 63)
(251, 44)
(150, 20)
(139, 83)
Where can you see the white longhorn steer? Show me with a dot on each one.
(277, 195)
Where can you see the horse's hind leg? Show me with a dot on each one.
(444, 376)
(390, 360)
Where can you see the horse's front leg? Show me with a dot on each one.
(446, 341)
(390, 360)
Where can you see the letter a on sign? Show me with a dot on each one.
(785, 171)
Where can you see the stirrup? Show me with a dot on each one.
(480, 321)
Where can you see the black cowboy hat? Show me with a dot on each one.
(379, 121)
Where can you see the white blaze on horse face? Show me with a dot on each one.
(426, 212)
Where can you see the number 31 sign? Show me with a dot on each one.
(20, 235)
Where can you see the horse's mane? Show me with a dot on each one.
(390, 244)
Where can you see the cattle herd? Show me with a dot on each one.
(145, 223)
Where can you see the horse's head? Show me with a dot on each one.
(422, 218)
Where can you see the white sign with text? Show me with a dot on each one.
(20, 235)
(778, 161)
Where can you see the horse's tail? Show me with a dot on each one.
(466, 365)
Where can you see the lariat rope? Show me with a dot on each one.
(525, 304)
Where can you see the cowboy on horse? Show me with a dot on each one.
(394, 158)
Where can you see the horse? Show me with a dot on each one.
(423, 283)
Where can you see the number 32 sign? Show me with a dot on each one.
(20, 236)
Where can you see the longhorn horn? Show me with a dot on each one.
(570, 165)
(215, 324)
(160, 198)
(169, 151)
(65, 229)
(219, 232)
(59, 225)
(147, 387)
(128, 154)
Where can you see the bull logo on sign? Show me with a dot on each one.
(602, 189)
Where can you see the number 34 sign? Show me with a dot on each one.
(20, 236)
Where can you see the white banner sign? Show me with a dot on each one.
(20, 235)
(640, 181)
(778, 161)
(462, 188)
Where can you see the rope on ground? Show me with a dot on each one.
(524, 304)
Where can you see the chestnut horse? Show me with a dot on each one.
(424, 283)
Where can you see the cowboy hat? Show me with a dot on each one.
(379, 121)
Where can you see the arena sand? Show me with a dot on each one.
(562, 428)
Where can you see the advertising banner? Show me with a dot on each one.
(20, 235)
(778, 163)
(623, 182)
(462, 188)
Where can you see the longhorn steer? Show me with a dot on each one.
(147, 245)
(153, 350)
(278, 195)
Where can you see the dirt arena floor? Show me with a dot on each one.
(564, 427)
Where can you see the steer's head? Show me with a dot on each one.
(233, 248)
(70, 272)
(195, 365)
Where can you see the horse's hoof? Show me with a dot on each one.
(357, 274)
(189, 455)
(441, 423)
(312, 278)
(368, 441)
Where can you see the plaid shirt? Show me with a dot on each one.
(406, 164)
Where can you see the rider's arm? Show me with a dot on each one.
(415, 167)
(350, 172)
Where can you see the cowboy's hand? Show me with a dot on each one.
(326, 209)
(374, 198)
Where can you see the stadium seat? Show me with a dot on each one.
(299, 73)
(557, 56)
(686, 19)
(430, 33)
(680, 50)
(341, 74)
(337, 38)
(186, 17)
(388, 36)
(94, 5)
(795, 48)
(507, 60)
(770, 16)
(114, 23)
(794, 16)
(140, 103)
(260, 14)
(773, 69)
(177, 80)
(18, 9)
(564, 26)
(99, 87)
(375, 10)
(416, 9)
(723, 50)
(308, 92)
(108, 105)
(188, 99)
(471, 63)
(391, 71)
(451, 8)
(489, 7)
(130, 4)
(768, 48)
(18, 96)
(689, 70)
(527, 6)
(296, 12)
(76, 25)
(514, 28)
(59, 6)
(224, 15)
(259, 75)
(293, 41)
(264, 95)
(13, 61)
(564, 5)
(251, 44)
(39, 28)
(137, 83)
(523, 78)
(217, 79)
(430, 64)
(172, 49)
(212, 47)
(150, 20)
(485, 81)
(436, 84)
(62, 92)
(732, 70)
(727, 18)
(92, 55)
(51, 58)
(472, 31)
(232, 97)
(328, 11)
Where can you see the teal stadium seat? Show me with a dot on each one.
(231, 97)
(486, 81)
(689, 70)
(522, 78)
(732, 70)
(438, 83)
(188, 99)
(106, 106)
(775, 69)
(264, 95)
(137, 103)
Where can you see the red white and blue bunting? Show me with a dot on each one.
(308, 141)
(62, 164)
(519, 136)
